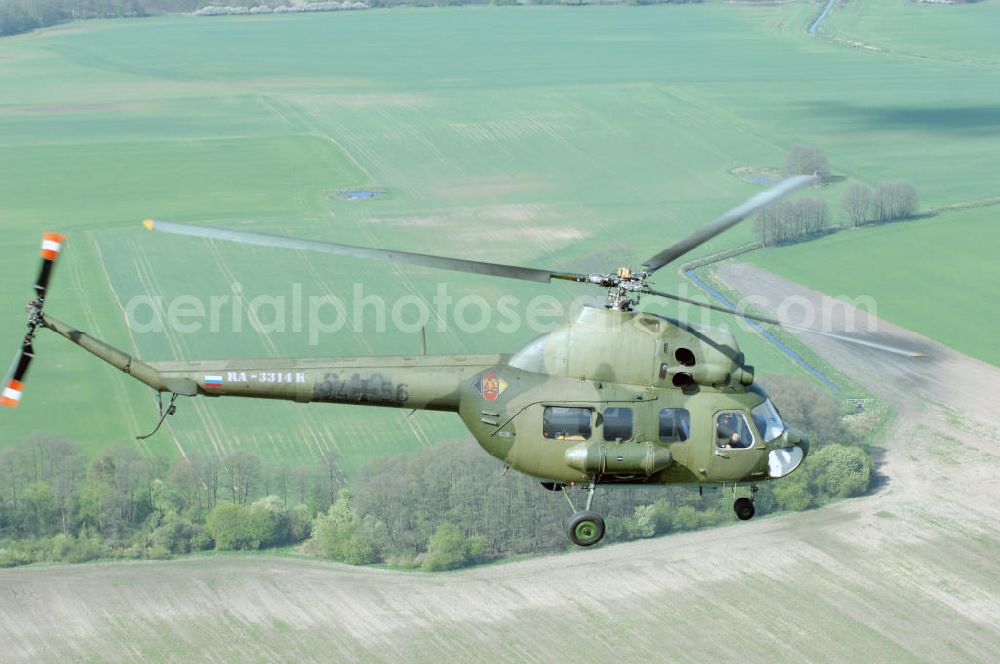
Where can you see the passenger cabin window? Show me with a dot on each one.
(675, 425)
(561, 423)
(617, 424)
(732, 431)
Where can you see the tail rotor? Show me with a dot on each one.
(13, 386)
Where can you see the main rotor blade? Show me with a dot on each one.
(788, 326)
(729, 219)
(387, 255)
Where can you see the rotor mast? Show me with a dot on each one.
(624, 287)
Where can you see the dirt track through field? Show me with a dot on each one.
(909, 573)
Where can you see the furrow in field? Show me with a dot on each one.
(212, 426)
(402, 278)
(319, 281)
(83, 296)
(251, 312)
(884, 576)
(359, 150)
(134, 346)
(315, 118)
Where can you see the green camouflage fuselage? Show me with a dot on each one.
(602, 360)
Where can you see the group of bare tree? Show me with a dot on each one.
(895, 199)
(791, 220)
(807, 160)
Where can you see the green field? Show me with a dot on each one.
(943, 249)
(575, 138)
(919, 29)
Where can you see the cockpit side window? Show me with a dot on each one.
(768, 420)
(561, 423)
(732, 432)
(617, 424)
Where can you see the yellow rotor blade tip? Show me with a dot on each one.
(148, 223)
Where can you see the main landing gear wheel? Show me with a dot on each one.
(585, 528)
(744, 509)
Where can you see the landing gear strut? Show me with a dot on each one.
(584, 528)
(744, 506)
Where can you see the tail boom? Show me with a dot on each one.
(413, 382)
(119, 359)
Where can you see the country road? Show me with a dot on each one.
(822, 15)
(910, 573)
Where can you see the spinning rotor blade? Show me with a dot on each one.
(14, 384)
(787, 326)
(51, 246)
(387, 255)
(729, 219)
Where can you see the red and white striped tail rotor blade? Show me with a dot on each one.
(51, 245)
(13, 385)
(11, 395)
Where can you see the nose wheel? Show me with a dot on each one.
(584, 528)
(744, 506)
(744, 509)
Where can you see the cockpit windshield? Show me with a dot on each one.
(768, 421)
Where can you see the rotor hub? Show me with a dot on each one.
(624, 287)
(34, 318)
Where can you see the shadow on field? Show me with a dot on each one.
(880, 481)
(950, 119)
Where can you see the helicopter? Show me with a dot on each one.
(614, 396)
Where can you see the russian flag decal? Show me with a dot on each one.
(213, 381)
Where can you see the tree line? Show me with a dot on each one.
(451, 505)
(460, 509)
(439, 508)
(790, 220)
(889, 201)
(57, 506)
(18, 16)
